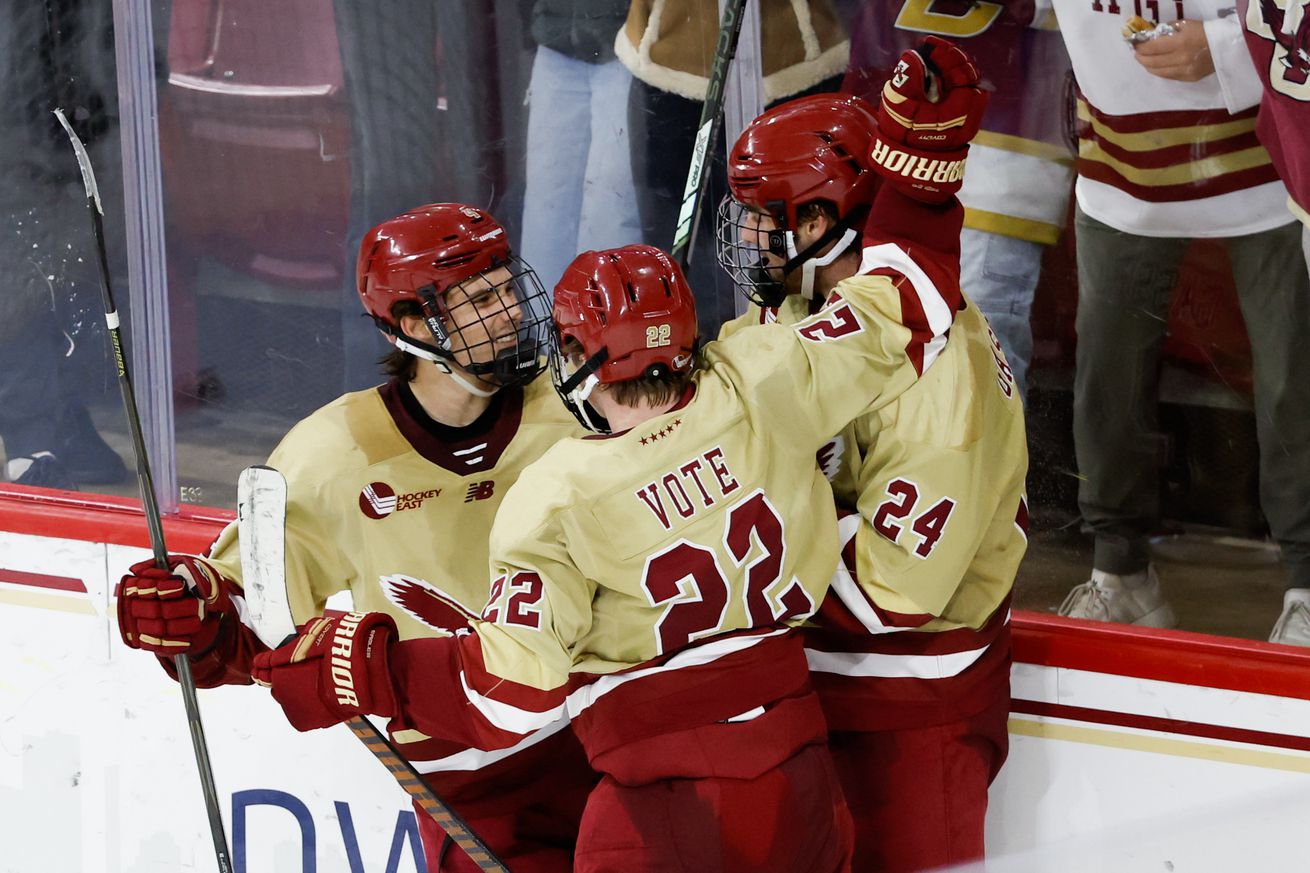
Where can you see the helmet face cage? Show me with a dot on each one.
(574, 382)
(743, 259)
(493, 325)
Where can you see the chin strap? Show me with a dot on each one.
(811, 264)
(577, 387)
(843, 232)
(420, 351)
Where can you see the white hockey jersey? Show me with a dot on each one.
(1164, 158)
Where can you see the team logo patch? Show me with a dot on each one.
(425, 602)
(378, 499)
(1287, 24)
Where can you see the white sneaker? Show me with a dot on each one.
(1135, 599)
(1293, 626)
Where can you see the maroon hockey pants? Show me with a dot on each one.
(791, 818)
(918, 796)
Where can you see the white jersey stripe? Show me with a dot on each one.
(880, 666)
(935, 307)
(848, 590)
(585, 697)
(476, 759)
(508, 717)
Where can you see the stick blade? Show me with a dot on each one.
(83, 162)
(261, 527)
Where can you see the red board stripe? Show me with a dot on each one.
(1167, 656)
(99, 518)
(41, 580)
(1039, 638)
(1163, 725)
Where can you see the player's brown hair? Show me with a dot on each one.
(815, 208)
(655, 390)
(398, 364)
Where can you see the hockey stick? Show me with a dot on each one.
(149, 504)
(261, 530)
(707, 133)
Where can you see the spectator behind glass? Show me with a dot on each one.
(435, 94)
(47, 52)
(1020, 171)
(1279, 42)
(1168, 152)
(668, 45)
(578, 194)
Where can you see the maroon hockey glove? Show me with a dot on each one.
(931, 108)
(335, 669)
(172, 612)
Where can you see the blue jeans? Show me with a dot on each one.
(579, 193)
(999, 273)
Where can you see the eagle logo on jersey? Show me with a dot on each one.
(830, 456)
(1287, 23)
(426, 603)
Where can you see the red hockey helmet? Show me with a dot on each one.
(806, 150)
(432, 256)
(631, 313)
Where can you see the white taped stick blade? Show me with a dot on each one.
(83, 163)
(261, 528)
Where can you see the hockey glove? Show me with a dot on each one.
(172, 612)
(931, 108)
(335, 669)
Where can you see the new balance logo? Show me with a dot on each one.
(480, 490)
(378, 499)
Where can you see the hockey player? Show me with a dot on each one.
(391, 495)
(910, 654)
(1278, 36)
(647, 578)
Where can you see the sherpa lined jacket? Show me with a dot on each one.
(669, 44)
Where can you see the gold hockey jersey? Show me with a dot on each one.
(915, 628)
(645, 582)
(395, 508)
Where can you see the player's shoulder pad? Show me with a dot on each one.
(355, 430)
(542, 491)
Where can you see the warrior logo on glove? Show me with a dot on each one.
(335, 669)
(930, 109)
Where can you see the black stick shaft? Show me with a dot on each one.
(149, 503)
(417, 787)
(707, 132)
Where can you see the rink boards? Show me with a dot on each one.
(1130, 750)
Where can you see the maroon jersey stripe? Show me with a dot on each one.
(1173, 156)
(1225, 184)
(1145, 122)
